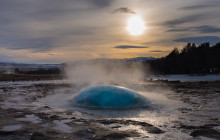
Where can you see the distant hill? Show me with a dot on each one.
(4, 65)
(9, 68)
(141, 59)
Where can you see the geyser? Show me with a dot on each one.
(109, 97)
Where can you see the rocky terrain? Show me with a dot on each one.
(39, 110)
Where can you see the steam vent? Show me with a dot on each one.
(109, 97)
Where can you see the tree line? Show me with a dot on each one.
(192, 59)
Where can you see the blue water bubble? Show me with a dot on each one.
(109, 97)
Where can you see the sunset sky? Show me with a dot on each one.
(55, 31)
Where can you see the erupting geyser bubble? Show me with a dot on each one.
(109, 97)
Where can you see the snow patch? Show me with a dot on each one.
(185, 78)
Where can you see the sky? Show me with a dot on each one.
(56, 31)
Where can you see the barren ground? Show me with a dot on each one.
(36, 110)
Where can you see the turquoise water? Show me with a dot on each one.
(109, 97)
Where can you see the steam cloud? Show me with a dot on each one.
(104, 72)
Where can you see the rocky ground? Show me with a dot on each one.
(30, 77)
(36, 110)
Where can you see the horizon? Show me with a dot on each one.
(53, 32)
(14, 62)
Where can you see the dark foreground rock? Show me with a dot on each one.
(116, 136)
(206, 132)
(40, 136)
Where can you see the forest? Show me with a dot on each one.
(192, 59)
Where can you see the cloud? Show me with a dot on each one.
(207, 29)
(129, 47)
(157, 51)
(83, 26)
(45, 25)
(200, 29)
(124, 10)
(178, 29)
(185, 19)
(101, 3)
(200, 39)
(196, 7)
(33, 44)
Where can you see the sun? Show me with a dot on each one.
(135, 25)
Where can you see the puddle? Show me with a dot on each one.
(62, 127)
(12, 127)
(31, 118)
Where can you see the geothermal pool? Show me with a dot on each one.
(109, 97)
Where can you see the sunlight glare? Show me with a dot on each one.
(135, 25)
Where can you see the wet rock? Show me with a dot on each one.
(116, 136)
(209, 125)
(211, 133)
(118, 126)
(54, 117)
(81, 120)
(153, 130)
(185, 109)
(113, 135)
(1, 99)
(42, 115)
(145, 126)
(51, 132)
(40, 136)
(3, 133)
(84, 133)
(145, 137)
(188, 127)
(90, 130)
(22, 115)
(197, 127)
(46, 107)
(214, 119)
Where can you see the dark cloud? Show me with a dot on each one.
(196, 7)
(124, 10)
(101, 3)
(178, 30)
(200, 29)
(157, 51)
(207, 29)
(200, 39)
(129, 47)
(185, 19)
